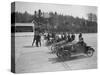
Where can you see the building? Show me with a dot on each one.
(22, 27)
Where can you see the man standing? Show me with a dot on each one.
(34, 39)
(72, 37)
(69, 38)
(38, 40)
(80, 35)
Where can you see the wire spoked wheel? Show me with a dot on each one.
(66, 55)
(53, 48)
(59, 54)
(63, 55)
(90, 53)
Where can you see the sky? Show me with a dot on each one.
(65, 9)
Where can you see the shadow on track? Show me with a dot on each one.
(50, 52)
(57, 60)
(29, 46)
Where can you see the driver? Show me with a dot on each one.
(81, 42)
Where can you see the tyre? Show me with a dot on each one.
(67, 55)
(53, 48)
(59, 54)
(63, 55)
(90, 53)
(49, 47)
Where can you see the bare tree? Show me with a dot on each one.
(92, 17)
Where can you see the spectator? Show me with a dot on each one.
(35, 36)
(38, 40)
(72, 37)
(69, 38)
(80, 35)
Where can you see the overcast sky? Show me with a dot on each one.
(74, 10)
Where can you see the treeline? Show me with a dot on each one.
(56, 22)
(17, 17)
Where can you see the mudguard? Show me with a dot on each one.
(90, 48)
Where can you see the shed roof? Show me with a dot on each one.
(23, 24)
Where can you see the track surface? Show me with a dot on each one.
(40, 59)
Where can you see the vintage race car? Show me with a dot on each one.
(65, 51)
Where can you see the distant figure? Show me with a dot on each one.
(59, 36)
(69, 38)
(72, 37)
(35, 36)
(45, 35)
(38, 40)
(64, 37)
(34, 40)
(80, 35)
(48, 37)
(53, 35)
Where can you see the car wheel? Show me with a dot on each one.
(90, 53)
(59, 54)
(67, 55)
(52, 47)
(49, 47)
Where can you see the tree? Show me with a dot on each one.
(92, 17)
